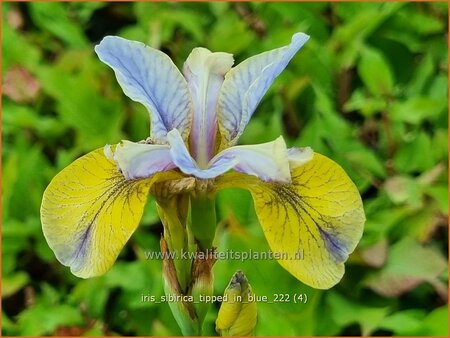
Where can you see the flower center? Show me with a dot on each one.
(204, 72)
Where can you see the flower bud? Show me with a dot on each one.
(237, 313)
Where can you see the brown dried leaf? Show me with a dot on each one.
(376, 254)
(20, 86)
(409, 264)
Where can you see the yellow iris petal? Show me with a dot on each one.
(312, 224)
(89, 211)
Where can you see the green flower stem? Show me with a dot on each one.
(183, 311)
(176, 237)
(188, 277)
(203, 220)
(202, 224)
(189, 326)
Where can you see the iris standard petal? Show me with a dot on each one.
(205, 72)
(149, 76)
(313, 223)
(89, 211)
(140, 160)
(245, 85)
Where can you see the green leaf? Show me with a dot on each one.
(137, 125)
(404, 323)
(417, 109)
(150, 215)
(9, 328)
(43, 250)
(349, 38)
(422, 76)
(235, 203)
(436, 323)
(9, 178)
(96, 119)
(413, 153)
(42, 319)
(375, 72)
(16, 118)
(13, 283)
(440, 195)
(345, 312)
(93, 294)
(20, 50)
(228, 28)
(27, 186)
(54, 17)
(17, 233)
(420, 23)
(218, 8)
(84, 10)
(439, 88)
(164, 19)
(364, 104)
(129, 276)
(368, 160)
(439, 151)
(262, 129)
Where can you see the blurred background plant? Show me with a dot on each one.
(370, 90)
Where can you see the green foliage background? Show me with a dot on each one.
(368, 90)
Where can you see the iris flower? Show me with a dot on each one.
(304, 201)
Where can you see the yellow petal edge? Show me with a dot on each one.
(313, 223)
(89, 211)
